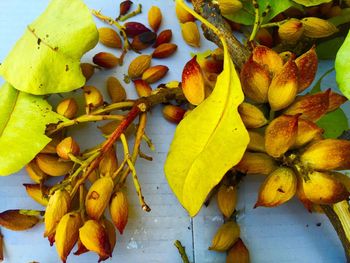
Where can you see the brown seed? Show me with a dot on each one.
(154, 18)
(115, 90)
(190, 34)
(88, 70)
(256, 163)
(143, 41)
(124, 7)
(105, 60)
(163, 37)
(335, 100)
(139, 65)
(173, 113)
(307, 67)
(133, 29)
(17, 221)
(164, 50)
(142, 88)
(109, 37)
(155, 73)
(68, 146)
(67, 108)
(238, 253)
(182, 14)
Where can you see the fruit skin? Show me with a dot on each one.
(163, 37)
(315, 27)
(154, 18)
(173, 113)
(52, 165)
(155, 73)
(251, 115)
(164, 50)
(193, 84)
(143, 89)
(190, 34)
(68, 146)
(238, 253)
(229, 7)
(307, 67)
(118, 209)
(225, 237)
(115, 90)
(227, 199)
(291, 30)
(256, 163)
(105, 60)
(67, 108)
(182, 14)
(38, 193)
(109, 37)
(88, 70)
(139, 65)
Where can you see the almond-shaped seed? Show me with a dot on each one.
(143, 89)
(281, 134)
(88, 70)
(124, 7)
(164, 50)
(251, 115)
(268, 58)
(279, 187)
(163, 37)
(109, 163)
(256, 142)
(105, 60)
(307, 67)
(154, 18)
(182, 14)
(155, 73)
(315, 27)
(139, 65)
(193, 84)
(53, 165)
(67, 108)
(118, 209)
(227, 199)
(291, 30)
(109, 37)
(190, 34)
(256, 163)
(173, 113)
(38, 193)
(143, 41)
(112, 234)
(68, 146)
(93, 97)
(238, 253)
(307, 131)
(17, 221)
(115, 90)
(133, 29)
(225, 237)
(229, 7)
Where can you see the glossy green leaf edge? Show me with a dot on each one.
(342, 67)
(311, 2)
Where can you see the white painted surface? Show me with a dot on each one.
(284, 234)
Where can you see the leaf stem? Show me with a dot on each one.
(131, 14)
(257, 21)
(182, 251)
(272, 24)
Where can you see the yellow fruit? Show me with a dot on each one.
(238, 253)
(229, 7)
(109, 37)
(139, 65)
(190, 34)
(38, 193)
(256, 163)
(119, 210)
(225, 237)
(291, 30)
(315, 27)
(154, 18)
(34, 172)
(251, 115)
(256, 142)
(115, 90)
(67, 147)
(182, 14)
(52, 165)
(227, 199)
(155, 73)
(67, 108)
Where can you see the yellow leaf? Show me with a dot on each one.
(208, 142)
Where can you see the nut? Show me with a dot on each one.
(143, 40)
(119, 210)
(109, 37)
(93, 97)
(193, 84)
(52, 165)
(268, 58)
(229, 7)
(190, 34)
(88, 70)
(133, 29)
(115, 90)
(251, 115)
(164, 50)
(155, 73)
(291, 30)
(307, 67)
(256, 142)
(67, 147)
(256, 163)
(182, 14)
(227, 199)
(105, 60)
(163, 37)
(124, 7)
(238, 253)
(143, 89)
(225, 237)
(67, 108)
(154, 18)
(139, 65)
(315, 27)
(173, 113)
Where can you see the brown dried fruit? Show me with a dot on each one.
(238, 253)
(307, 67)
(115, 90)
(154, 18)
(133, 29)
(105, 60)
(256, 163)
(155, 73)
(173, 113)
(164, 50)
(109, 37)
(88, 70)
(16, 221)
(163, 37)
(193, 85)
(139, 65)
(124, 7)
(67, 108)
(251, 115)
(143, 89)
(190, 34)
(143, 40)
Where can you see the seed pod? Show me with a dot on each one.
(328, 154)
(256, 163)
(15, 220)
(211, 65)
(173, 113)
(284, 87)
(343, 178)
(52, 165)
(154, 18)
(335, 100)
(193, 85)
(38, 193)
(238, 253)
(164, 50)
(109, 163)
(155, 73)
(279, 187)
(34, 172)
(67, 147)
(143, 89)
(105, 60)
(301, 195)
(227, 199)
(67, 234)
(57, 207)
(93, 97)
(251, 115)
(190, 34)
(324, 188)
(256, 142)
(163, 37)
(182, 14)
(307, 131)
(310, 107)
(98, 196)
(268, 58)
(67, 108)
(307, 67)
(115, 90)
(88, 70)
(124, 7)
(95, 238)
(281, 134)
(291, 30)
(139, 65)
(133, 29)
(143, 40)
(119, 210)
(315, 27)
(225, 237)
(109, 37)
(229, 7)
(255, 81)
(264, 37)
(112, 235)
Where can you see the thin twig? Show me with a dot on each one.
(182, 251)
(131, 14)
(257, 21)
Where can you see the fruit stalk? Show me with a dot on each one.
(182, 251)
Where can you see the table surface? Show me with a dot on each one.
(285, 234)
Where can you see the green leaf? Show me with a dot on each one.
(47, 57)
(246, 15)
(334, 123)
(311, 2)
(342, 66)
(207, 142)
(23, 120)
(329, 48)
(317, 87)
